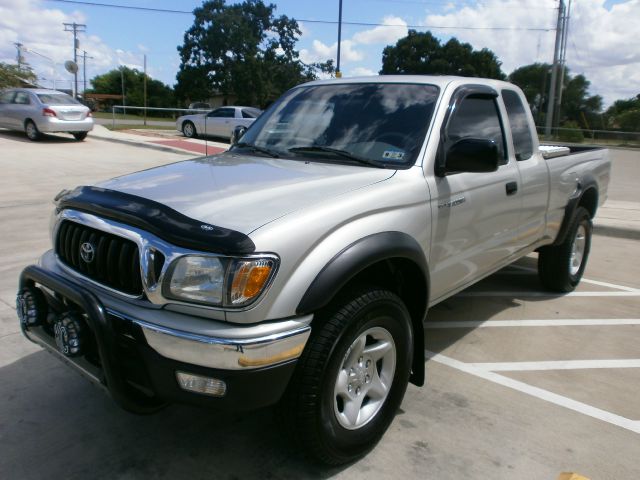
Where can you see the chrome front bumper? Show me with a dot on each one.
(225, 353)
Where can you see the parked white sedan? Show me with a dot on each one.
(219, 123)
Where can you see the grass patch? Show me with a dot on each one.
(139, 127)
(129, 116)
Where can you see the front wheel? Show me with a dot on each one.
(79, 136)
(351, 377)
(560, 267)
(189, 130)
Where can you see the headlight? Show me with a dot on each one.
(219, 281)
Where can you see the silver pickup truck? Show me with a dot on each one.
(297, 268)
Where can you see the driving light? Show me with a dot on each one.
(249, 279)
(204, 385)
(198, 278)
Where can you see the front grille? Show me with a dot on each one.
(114, 261)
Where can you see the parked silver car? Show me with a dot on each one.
(37, 111)
(218, 123)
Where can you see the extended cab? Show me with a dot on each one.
(298, 267)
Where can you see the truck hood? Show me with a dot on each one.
(243, 192)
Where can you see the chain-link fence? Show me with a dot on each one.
(612, 138)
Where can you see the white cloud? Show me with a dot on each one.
(320, 52)
(603, 44)
(360, 72)
(381, 34)
(41, 32)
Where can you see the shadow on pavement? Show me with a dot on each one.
(56, 424)
(44, 138)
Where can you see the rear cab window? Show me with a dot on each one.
(250, 113)
(520, 131)
(478, 117)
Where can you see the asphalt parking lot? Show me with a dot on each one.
(521, 385)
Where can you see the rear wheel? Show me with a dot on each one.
(31, 130)
(351, 377)
(79, 136)
(189, 130)
(560, 267)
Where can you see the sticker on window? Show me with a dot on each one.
(392, 155)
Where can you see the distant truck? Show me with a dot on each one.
(298, 267)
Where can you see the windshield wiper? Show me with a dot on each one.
(256, 148)
(338, 152)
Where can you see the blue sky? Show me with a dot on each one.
(116, 36)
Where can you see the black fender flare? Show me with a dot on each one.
(588, 182)
(354, 259)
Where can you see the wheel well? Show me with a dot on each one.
(407, 280)
(27, 120)
(589, 200)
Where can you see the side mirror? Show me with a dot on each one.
(476, 155)
(238, 132)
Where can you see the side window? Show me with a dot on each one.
(223, 113)
(7, 97)
(478, 117)
(522, 141)
(250, 113)
(22, 98)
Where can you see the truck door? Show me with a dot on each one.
(475, 214)
(534, 174)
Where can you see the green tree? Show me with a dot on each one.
(12, 76)
(577, 104)
(241, 50)
(422, 53)
(625, 114)
(158, 94)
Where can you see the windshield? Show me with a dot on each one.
(382, 124)
(57, 99)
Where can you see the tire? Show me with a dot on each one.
(31, 130)
(189, 130)
(79, 136)
(340, 402)
(560, 267)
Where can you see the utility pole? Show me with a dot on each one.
(84, 71)
(338, 72)
(145, 89)
(563, 62)
(19, 56)
(75, 28)
(554, 72)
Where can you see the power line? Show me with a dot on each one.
(305, 20)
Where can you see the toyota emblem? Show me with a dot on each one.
(87, 252)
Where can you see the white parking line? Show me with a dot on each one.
(520, 270)
(556, 365)
(558, 322)
(537, 392)
(635, 293)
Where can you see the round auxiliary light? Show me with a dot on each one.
(31, 307)
(69, 330)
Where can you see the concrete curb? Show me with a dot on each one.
(134, 143)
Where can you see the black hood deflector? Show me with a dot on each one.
(164, 222)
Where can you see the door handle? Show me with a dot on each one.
(512, 188)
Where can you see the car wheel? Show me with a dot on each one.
(351, 378)
(80, 136)
(189, 130)
(560, 267)
(31, 130)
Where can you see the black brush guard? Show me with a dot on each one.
(111, 374)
